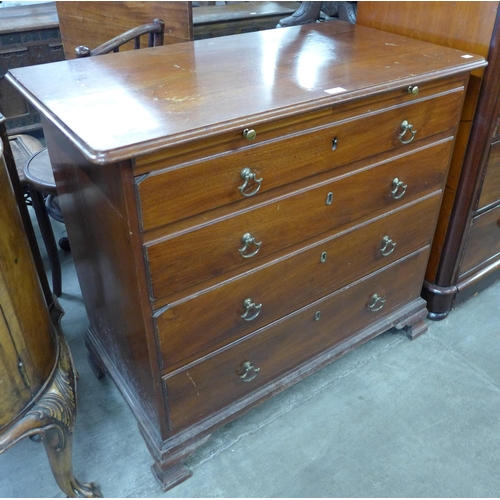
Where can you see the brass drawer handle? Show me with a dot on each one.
(249, 134)
(248, 176)
(248, 372)
(398, 188)
(376, 302)
(406, 126)
(247, 240)
(250, 305)
(387, 246)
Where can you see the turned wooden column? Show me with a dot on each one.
(37, 376)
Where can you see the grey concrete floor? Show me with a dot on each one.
(393, 418)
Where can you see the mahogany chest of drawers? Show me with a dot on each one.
(244, 210)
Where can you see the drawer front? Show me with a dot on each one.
(180, 261)
(194, 188)
(484, 240)
(290, 283)
(490, 192)
(202, 388)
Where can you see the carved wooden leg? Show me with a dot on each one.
(58, 443)
(52, 421)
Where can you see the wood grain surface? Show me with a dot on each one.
(166, 95)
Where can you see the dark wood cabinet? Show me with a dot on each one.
(465, 256)
(231, 239)
(29, 34)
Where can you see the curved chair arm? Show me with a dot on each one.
(155, 30)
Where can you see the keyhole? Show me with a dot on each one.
(329, 198)
(334, 144)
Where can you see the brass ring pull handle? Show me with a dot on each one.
(248, 372)
(398, 188)
(406, 126)
(249, 134)
(376, 302)
(248, 240)
(387, 246)
(248, 176)
(250, 305)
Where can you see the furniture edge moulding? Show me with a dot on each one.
(234, 125)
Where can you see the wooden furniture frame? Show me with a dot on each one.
(462, 261)
(232, 239)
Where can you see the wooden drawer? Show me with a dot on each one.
(201, 388)
(289, 283)
(184, 259)
(490, 192)
(484, 240)
(192, 188)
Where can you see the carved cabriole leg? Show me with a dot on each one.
(52, 421)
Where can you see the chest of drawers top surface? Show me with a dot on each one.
(126, 105)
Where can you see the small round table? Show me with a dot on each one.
(40, 180)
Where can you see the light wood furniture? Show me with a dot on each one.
(465, 256)
(94, 23)
(37, 377)
(231, 239)
(29, 34)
